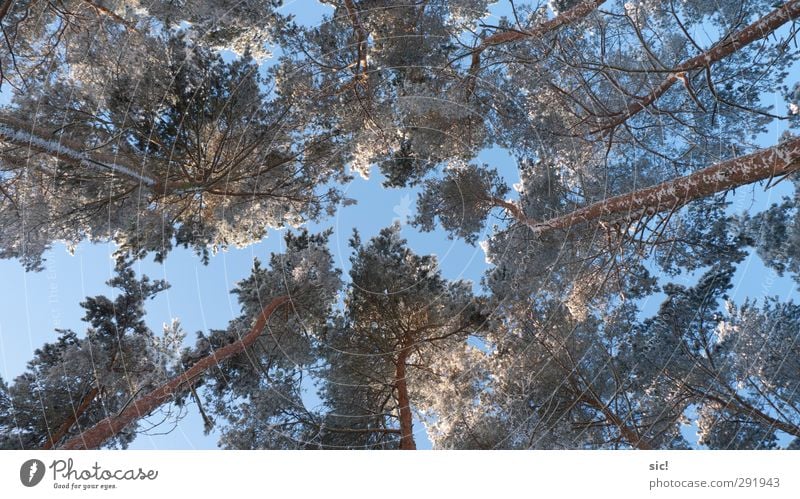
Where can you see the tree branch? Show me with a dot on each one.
(16, 132)
(4, 8)
(569, 16)
(727, 46)
(95, 436)
(629, 434)
(764, 164)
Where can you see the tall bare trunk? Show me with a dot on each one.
(361, 38)
(406, 429)
(95, 436)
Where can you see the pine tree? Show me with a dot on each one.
(77, 380)
(156, 124)
(401, 319)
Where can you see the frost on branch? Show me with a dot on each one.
(776, 234)
(261, 386)
(184, 149)
(78, 380)
(387, 355)
(461, 200)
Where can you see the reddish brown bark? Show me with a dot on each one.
(361, 38)
(104, 11)
(569, 16)
(730, 44)
(768, 163)
(76, 414)
(4, 8)
(404, 403)
(95, 436)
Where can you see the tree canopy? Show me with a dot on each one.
(203, 124)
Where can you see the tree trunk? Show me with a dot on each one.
(16, 132)
(361, 39)
(4, 8)
(77, 413)
(98, 434)
(106, 12)
(406, 429)
(765, 164)
(756, 31)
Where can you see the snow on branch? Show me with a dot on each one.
(95, 436)
(757, 30)
(765, 164)
(570, 16)
(12, 131)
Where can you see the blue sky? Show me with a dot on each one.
(32, 305)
